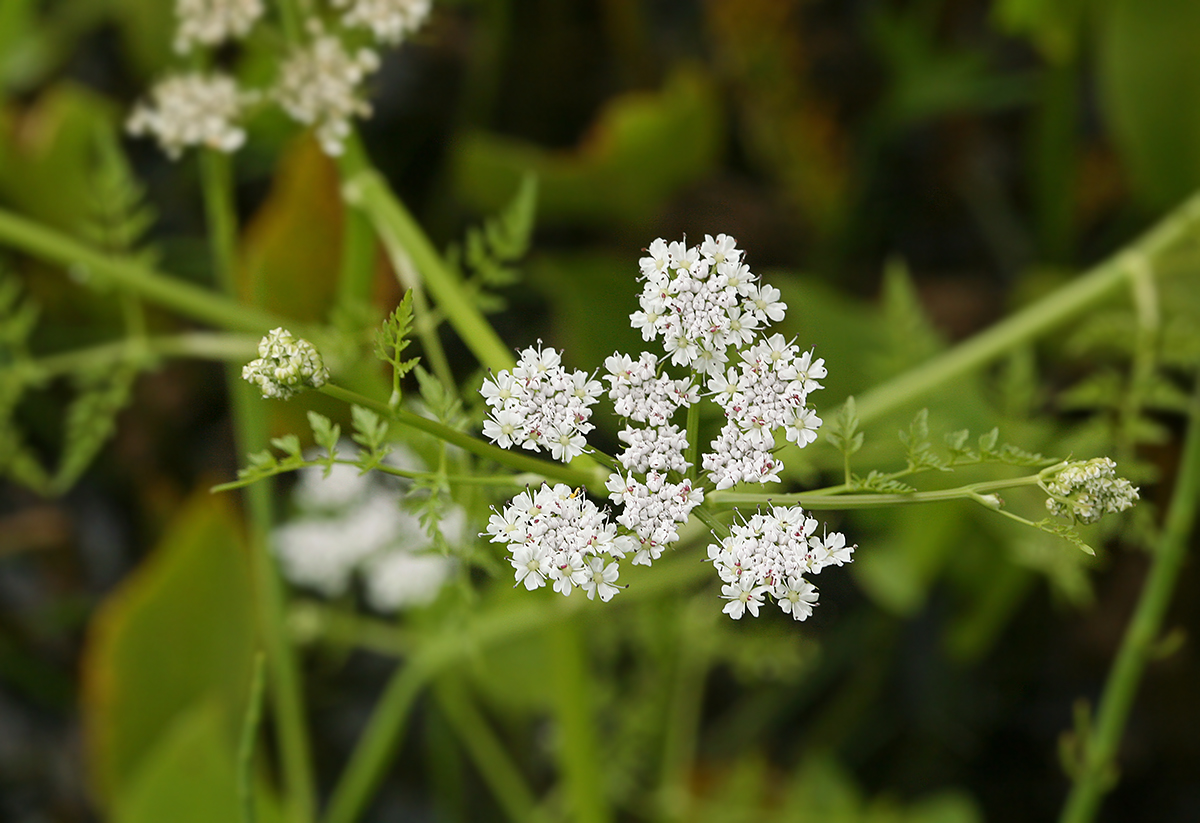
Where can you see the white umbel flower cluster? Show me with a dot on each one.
(558, 536)
(390, 21)
(286, 365)
(540, 405)
(701, 300)
(192, 109)
(1087, 489)
(319, 85)
(641, 394)
(707, 307)
(652, 510)
(769, 554)
(213, 22)
(768, 392)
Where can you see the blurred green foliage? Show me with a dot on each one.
(904, 172)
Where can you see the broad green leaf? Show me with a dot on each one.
(178, 631)
(190, 776)
(47, 154)
(642, 149)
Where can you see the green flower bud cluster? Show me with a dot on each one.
(286, 366)
(1087, 489)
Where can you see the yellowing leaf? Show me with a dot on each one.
(177, 632)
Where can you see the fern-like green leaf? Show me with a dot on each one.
(392, 339)
(488, 252)
(370, 432)
(843, 431)
(90, 421)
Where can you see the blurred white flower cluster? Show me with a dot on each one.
(213, 22)
(711, 314)
(286, 365)
(319, 82)
(350, 524)
(1087, 489)
(319, 86)
(192, 109)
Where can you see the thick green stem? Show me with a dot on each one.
(188, 300)
(1035, 320)
(147, 351)
(401, 234)
(358, 237)
(686, 704)
(1097, 763)
(250, 430)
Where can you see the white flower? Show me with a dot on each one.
(698, 314)
(540, 405)
(389, 20)
(743, 596)
(532, 565)
(395, 580)
(599, 579)
(798, 599)
(192, 110)
(319, 86)
(660, 449)
(504, 429)
(212, 22)
(286, 365)
(770, 553)
(557, 534)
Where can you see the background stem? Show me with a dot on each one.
(250, 433)
(1097, 763)
(1031, 322)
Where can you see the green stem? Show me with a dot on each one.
(250, 723)
(292, 20)
(693, 441)
(1097, 766)
(250, 430)
(147, 350)
(374, 750)
(518, 480)
(686, 704)
(515, 460)
(190, 301)
(1046, 314)
(401, 234)
(498, 770)
(358, 237)
(834, 499)
(216, 177)
(578, 750)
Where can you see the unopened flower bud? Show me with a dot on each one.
(286, 365)
(1087, 489)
